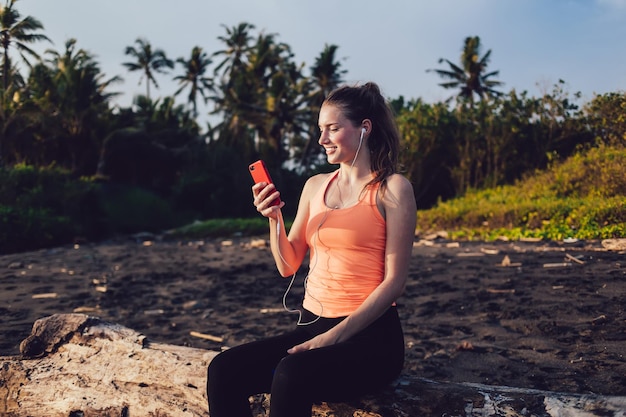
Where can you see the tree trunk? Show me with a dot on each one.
(79, 366)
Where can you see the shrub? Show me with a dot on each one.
(45, 206)
(584, 198)
(128, 209)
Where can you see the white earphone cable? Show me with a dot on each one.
(293, 277)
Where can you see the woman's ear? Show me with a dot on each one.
(366, 126)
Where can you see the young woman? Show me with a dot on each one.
(357, 224)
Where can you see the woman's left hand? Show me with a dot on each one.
(318, 341)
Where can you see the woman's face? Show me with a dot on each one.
(338, 136)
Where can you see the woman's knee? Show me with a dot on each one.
(290, 373)
(217, 365)
(222, 369)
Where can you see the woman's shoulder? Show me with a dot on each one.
(399, 191)
(314, 183)
(398, 182)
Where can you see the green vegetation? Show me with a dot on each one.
(41, 207)
(583, 198)
(223, 228)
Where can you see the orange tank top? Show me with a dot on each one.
(347, 253)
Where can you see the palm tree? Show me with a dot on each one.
(275, 107)
(326, 74)
(194, 78)
(70, 89)
(234, 87)
(260, 94)
(147, 61)
(326, 71)
(17, 32)
(237, 46)
(470, 76)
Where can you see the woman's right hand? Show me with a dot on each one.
(264, 196)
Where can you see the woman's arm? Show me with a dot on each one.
(288, 250)
(401, 215)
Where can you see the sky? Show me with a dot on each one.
(533, 43)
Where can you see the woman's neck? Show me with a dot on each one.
(355, 171)
(347, 187)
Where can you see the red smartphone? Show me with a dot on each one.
(259, 173)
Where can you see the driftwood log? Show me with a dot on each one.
(73, 365)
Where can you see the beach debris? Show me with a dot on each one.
(86, 309)
(193, 305)
(506, 262)
(557, 264)
(574, 259)
(148, 243)
(155, 312)
(453, 245)
(465, 345)
(44, 295)
(442, 234)
(441, 353)
(258, 243)
(558, 287)
(599, 320)
(470, 254)
(206, 336)
(570, 240)
(271, 310)
(490, 251)
(501, 291)
(227, 243)
(16, 265)
(614, 244)
(101, 288)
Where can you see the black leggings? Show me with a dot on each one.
(363, 364)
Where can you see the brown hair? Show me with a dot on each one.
(367, 102)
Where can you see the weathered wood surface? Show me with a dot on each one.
(73, 365)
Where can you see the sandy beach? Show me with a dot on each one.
(543, 315)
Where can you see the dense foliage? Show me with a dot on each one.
(75, 166)
(581, 198)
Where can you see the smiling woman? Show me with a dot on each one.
(357, 224)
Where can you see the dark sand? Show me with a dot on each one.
(552, 320)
